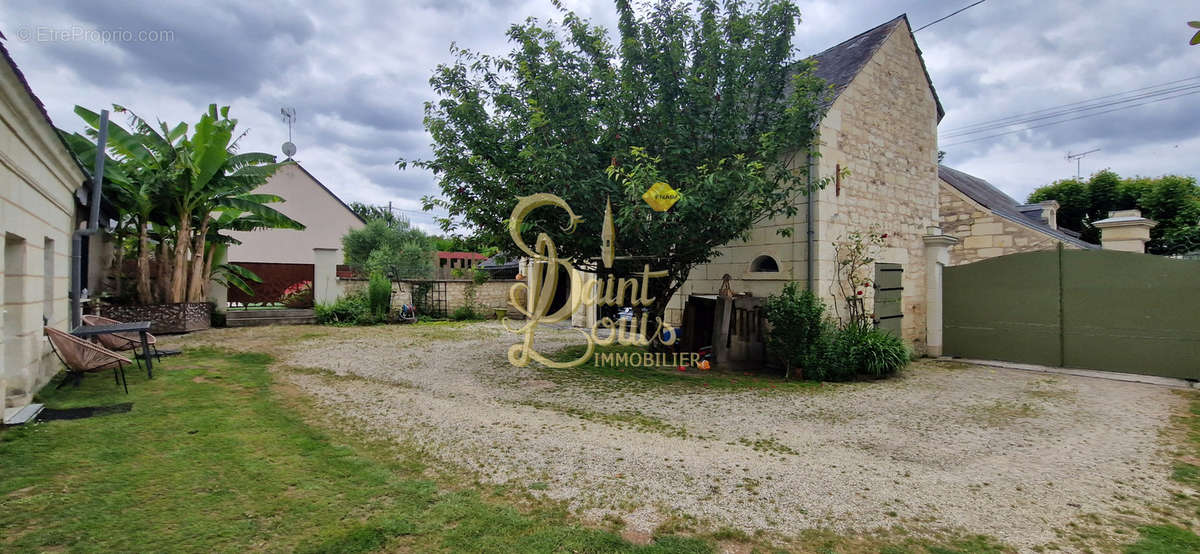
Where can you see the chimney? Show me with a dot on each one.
(1125, 231)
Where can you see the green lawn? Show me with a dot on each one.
(213, 458)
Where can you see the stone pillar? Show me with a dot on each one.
(218, 294)
(1125, 231)
(937, 256)
(325, 286)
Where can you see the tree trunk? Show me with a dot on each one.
(118, 266)
(663, 290)
(179, 276)
(197, 278)
(143, 264)
(205, 286)
(163, 287)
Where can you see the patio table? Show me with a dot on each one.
(142, 328)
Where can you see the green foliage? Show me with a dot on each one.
(1164, 539)
(350, 309)
(464, 313)
(798, 328)
(379, 295)
(1171, 200)
(711, 100)
(802, 336)
(861, 351)
(456, 243)
(1196, 37)
(370, 213)
(179, 191)
(396, 249)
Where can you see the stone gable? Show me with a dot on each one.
(983, 234)
(883, 130)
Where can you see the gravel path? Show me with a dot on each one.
(1005, 453)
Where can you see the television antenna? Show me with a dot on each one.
(289, 116)
(1076, 158)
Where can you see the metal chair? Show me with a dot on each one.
(80, 356)
(122, 341)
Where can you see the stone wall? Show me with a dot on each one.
(983, 234)
(883, 130)
(38, 178)
(488, 296)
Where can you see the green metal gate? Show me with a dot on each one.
(1094, 309)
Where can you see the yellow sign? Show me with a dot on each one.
(661, 196)
(533, 299)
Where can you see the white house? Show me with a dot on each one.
(39, 179)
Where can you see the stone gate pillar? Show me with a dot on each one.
(937, 256)
(325, 287)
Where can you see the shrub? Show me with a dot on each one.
(463, 313)
(859, 350)
(351, 309)
(798, 329)
(299, 295)
(379, 295)
(801, 336)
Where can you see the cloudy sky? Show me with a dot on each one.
(357, 74)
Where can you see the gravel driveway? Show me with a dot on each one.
(947, 446)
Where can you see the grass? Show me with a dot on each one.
(1164, 539)
(215, 457)
(641, 378)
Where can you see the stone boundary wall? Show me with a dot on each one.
(488, 296)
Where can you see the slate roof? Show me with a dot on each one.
(839, 64)
(1003, 205)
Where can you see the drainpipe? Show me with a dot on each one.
(93, 227)
(811, 233)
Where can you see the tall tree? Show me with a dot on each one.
(1173, 201)
(396, 249)
(710, 100)
(173, 188)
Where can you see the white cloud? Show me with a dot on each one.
(357, 72)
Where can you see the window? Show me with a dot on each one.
(14, 300)
(764, 264)
(48, 281)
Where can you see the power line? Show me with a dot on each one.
(1084, 116)
(1058, 107)
(1147, 96)
(1044, 114)
(951, 15)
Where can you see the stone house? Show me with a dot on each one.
(880, 129)
(990, 223)
(41, 186)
